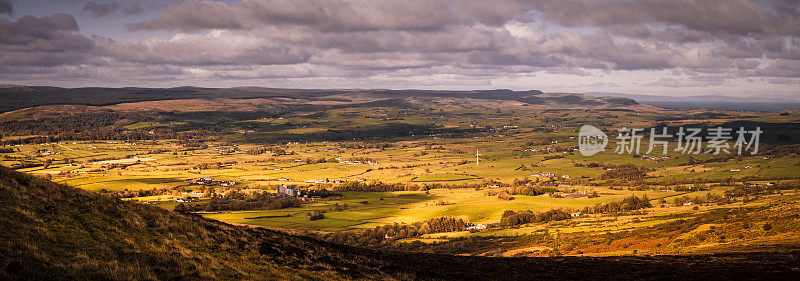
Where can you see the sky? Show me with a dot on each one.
(676, 48)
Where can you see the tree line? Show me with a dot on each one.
(511, 218)
(240, 202)
(386, 234)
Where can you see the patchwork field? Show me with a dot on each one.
(398, 167)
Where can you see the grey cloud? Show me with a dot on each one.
(341, 15)
(133, 9)
(193, 15)
(664, 32)
(210, 49)
(29, 32)
(349, 15)
(456, 39)
(6, 7)
(358, 39)
(730, 16)
(747, 64)
(784, 80)
(101, 10)
(489, 12)
(42, 41)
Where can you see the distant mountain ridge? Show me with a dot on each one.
(699, 98)
(17, 97)
(756, 102)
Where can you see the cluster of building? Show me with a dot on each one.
(316, 181)
(546, 149)
(358, 162)
(45, 152)
(548, 175)
(472, 226)
(655, 158)
(211, 181)
(293, 191)
(187, 199)
(226, 149)
(289, 191)
(739, 170)
(370, 162)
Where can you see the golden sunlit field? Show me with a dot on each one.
(435, 174)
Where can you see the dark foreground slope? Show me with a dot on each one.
(50, 232)
(54, 232)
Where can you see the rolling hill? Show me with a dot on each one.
(19, 97)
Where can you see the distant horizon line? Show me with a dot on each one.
(641, 98)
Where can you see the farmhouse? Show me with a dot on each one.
(204, 181)
(289, 191)
(543, 175)
(472, 226)
(186, 199)
(225, 149)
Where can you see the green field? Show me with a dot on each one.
(431, 153)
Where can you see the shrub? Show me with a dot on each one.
(316, 216)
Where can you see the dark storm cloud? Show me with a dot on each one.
(6, 7)
(29, 29)
(193, 15)
(360, 39)
(133, 9)
(489, 12)
(49, 40)
(101, 10)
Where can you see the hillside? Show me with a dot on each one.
(51, 231)
(18, 97)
